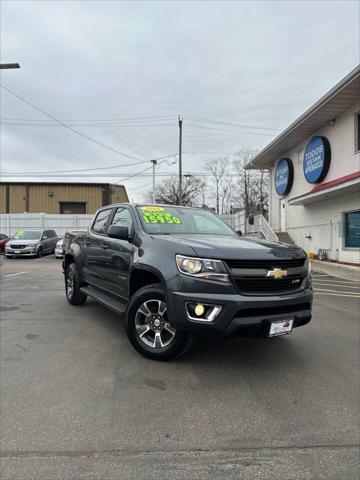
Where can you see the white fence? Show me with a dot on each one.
(236, 221)
(262, 225)
(12, 222)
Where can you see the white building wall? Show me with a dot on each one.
(321, 217)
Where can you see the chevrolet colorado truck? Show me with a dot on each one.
(178, 271)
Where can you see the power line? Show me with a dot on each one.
(86, 169)
(238, 132)
(99, 120)
(77, 132)
(116, 174)
(255, 127)
(91, 125)
(139, 173)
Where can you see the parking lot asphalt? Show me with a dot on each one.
(77, 402)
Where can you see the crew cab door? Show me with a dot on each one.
(120, 252)
(95, 252)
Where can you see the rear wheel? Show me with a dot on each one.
(149, 329)
(72, 286)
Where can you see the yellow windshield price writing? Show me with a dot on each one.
(163, 217)
(148, 208)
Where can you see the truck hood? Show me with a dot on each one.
(232, 248)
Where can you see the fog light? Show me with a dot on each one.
(199, 309)
(202, 312)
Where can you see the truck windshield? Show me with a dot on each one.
(27, 235)
(167, 220)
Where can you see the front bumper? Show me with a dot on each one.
(240, 314)
(23, 252)
(59, 252)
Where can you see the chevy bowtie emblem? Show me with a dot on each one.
(277, 273)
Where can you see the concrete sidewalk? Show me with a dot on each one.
(347, 272)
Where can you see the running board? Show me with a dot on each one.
(108, 302)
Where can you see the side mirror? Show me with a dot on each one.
(44, 237)
(119, 231)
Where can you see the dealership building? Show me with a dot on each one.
(314, 170)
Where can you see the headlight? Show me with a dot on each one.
(308, 266)
(206, 269)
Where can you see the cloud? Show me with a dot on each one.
(257, 63)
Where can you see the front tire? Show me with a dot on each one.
(39, 253)
(148, 327)
(72, 286)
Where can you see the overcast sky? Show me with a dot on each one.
(99, 64)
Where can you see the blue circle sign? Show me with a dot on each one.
(317, 159)
(284, 176)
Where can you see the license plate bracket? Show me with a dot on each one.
(17, 251)
(281, 327)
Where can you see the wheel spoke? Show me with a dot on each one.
(157, 340)
(144, 310)
(142, 329)
(170, 329)
(161, 307)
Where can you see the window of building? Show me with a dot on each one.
(72, 207)
(352, 229)
(357, 132)
(99, 225)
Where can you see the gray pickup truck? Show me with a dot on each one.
(178, 271)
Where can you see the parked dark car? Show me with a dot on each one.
(178, 271)
(3, 241)
(31, 243)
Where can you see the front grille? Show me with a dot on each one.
(267, 264)
(17, 247)
(260, 285)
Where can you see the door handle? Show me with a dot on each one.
(104, 246)
(87, 243)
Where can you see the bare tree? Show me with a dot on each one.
(167, 191)
(218, 167)
(252, 188)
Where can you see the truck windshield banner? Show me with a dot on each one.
(317, 159)
(158, 215)
(284, 176)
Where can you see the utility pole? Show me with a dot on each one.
(154, 162)
(180, 160)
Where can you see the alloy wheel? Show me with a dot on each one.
(69, 283)
(152, 326)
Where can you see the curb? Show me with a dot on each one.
(347, 272)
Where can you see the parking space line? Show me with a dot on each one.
(334, 294)
(338, 292)
(337, 285)
(14, 274)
